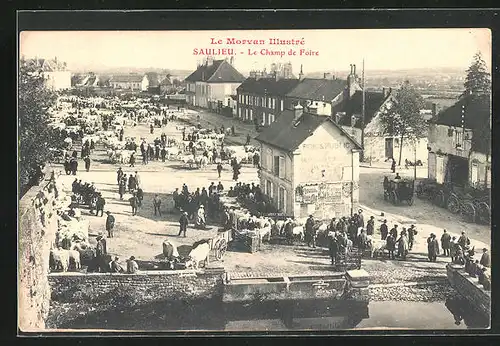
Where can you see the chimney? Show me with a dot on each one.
(298, 110)
(434, 110)
(350, 73)
(301, 74)
(354, 69)
(313, 109)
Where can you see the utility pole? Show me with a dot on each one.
(363, 114)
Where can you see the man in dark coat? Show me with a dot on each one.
(87, 163)
(463, 241)
(362, 240)
(384, 230)
(163, 154)
(175, 197)
(219, 168)
(394, 232)
(361, 219)
(183, 223)
(101, 202)
(309, 232)
(131, 183)
(140, 196)
(412, 232)
(391, 245)
(110, 224)
(393, 166)
(333, 248)
(370, 226)
(134, 203)
(445, 243)
(119, 175)
(432, 247)
(485, 259)
(122, 186)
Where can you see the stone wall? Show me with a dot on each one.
(469, 288)
(36, 231)
(137, 288)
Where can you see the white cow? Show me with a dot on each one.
(197, 255)
(376, 247)
(60, 259)
(188, 160)
(172, 152)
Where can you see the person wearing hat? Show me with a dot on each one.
(463, 241)
(485, 259)
(394, 232)
(412, 232)
(115, 266)
(134, 203)
(110, 224)
(101, 248)
(157, 204)
(100, 203)
(445, 243)
(183, 223)
(309, 232)
(132, 266)
(360, 219)
(119, 175)
(370, 226)
(432, 248)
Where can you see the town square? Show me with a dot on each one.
(269, 196)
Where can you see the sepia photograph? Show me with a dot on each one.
(254, 180)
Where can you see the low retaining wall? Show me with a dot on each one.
(469, 288)
(137, 288)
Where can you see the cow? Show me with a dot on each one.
(172, 152)
(376, 247)
(59, 259)
(188, 160)
(74, 256)
(199, 253)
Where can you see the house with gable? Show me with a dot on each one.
(460, 143)
(323, 93)
(131, 81)
(55, 72)
(211, 84)
(309, 165)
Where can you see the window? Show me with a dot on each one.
(459, 137)
(271, 118)
(279, 166)
(474, 174)
(276, 165)
(281, 108)
(251, 114)
(269, 188)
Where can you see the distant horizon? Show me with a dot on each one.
(322, 50)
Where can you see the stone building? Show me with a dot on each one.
(323, 93)
(262, 99)
(56, 73)
(309, 165)
(460, 143)
(130, 81)
(211, 83)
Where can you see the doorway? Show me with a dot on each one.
(389, 148)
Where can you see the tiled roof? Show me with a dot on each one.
(48, 65)
(220, 71)
(477, 118)
(127, 78)
(318, 89)
(271, 86)
(287, 134)
(354, 105)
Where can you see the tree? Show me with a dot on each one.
(36, 137)
(403, 118)
(477, 81)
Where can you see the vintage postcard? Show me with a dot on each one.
(258, 180)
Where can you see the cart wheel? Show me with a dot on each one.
(469, 212)
(439, 199)
(410, 201)
(484, 213)
(220, 249)
(453, 204)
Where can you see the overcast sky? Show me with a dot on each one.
(381, 49)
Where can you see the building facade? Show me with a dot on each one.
(309, 165)
(127, 81)
(323, 93)
(55, 72)
(460, 144)
(261, 100)
(212, 83)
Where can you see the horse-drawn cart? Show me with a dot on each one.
(398, 190)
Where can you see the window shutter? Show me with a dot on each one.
(281, 167)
